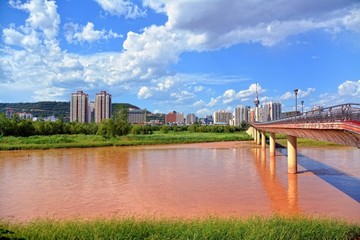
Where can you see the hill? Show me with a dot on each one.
(47, 108)
(39, 109)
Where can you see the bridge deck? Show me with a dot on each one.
(339, 124)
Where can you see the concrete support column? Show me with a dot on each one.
(272, 144)
(263, 139)
(292, 154)
(254, 134)
(258, 137)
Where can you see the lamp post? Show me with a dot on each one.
(302, 106)
(296, 93)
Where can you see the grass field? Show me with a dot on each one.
(82, 141)
(305, 142)
(211, 228)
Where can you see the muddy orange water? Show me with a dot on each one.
(193, 180)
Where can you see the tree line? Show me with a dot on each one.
(116, 126)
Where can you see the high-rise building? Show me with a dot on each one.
(209, 119)
(174, 117)
(222, 117)
(137, 116)
(271, 111)
(251, 116)
(103, 108)
(191, 118)
(240, 115)
(79, 107)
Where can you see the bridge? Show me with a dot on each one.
(339, 124)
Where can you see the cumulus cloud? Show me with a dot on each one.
(348, 92)
(124, 8)
(301, 94)
(169, 88)
(227, 22)
(74, 33)
(231, 96)
(350, 88)
(144, 93)
(49, 94)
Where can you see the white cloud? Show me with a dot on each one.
(124, 8)
(352, 21)
(199, 103)
(348, 92)
(301, 94)
(204, 112)
(265, 22)
(231, 96)
(199, 88)
(49, 94)
(305, 93)
(213, 102)
(74, 33)
(13, 37)
(350, 88)
(287, 96)
(144, 93)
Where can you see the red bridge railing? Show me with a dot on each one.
(337, 113)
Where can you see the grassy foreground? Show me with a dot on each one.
(83, 141)
(211, 228)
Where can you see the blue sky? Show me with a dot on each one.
(191, 56)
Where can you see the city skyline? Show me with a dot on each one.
(181, 55)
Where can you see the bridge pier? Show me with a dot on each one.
(272, 144)
(258, 137)
(292, 154)
(254, 134)
(263, 139)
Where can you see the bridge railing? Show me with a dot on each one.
(337, 113)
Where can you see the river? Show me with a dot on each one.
(189, 180)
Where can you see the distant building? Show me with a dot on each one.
(174, 117)
(240, 115)
(24, 115)
(103, 107)
(137, 116)
(209, 120)
(222, 117)
(251, 115)
(191, 118)
(50, 119)
(271, 111)
(79, 107)
(9, 112)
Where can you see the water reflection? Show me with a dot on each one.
(282, 199)
(341, 180)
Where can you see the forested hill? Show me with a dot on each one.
(48, 108)
(39, 109)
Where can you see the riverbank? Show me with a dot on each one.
(274, 227)
(84, 141)
(158, 137)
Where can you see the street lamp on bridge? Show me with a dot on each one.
(302, 106)
(296, 93)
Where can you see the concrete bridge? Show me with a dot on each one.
(339, 124)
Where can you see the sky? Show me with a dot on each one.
(190, 56)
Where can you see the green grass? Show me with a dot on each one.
(82, 141)
(275, 227)
(305, 142)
